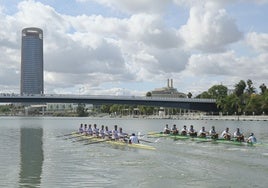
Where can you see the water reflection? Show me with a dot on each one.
(31, 156)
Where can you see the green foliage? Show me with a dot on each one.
(81, 110)
(5, 108)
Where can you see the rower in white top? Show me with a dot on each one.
(251, 139)
(95, 130)
(133, 139)
(122, 136)
(202, 133)
(115, 133)
(213, 133)
(184, 130)
(225, 134)
(81, 130)
(101, 132)
(107, 133)
(238, 135)
(89, 130)
(166, 129)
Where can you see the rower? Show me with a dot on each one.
(107, 132)
(184, 130)
(225, 134)
(202, 133)
(191, 131)
(81, 130)
(89, 130)
(133, 139)
(115, 133)
(95, 130)
(166, 129)
(213, 133)
(174, 130)
(238, 135)
(85, 129)
(101, 132)
(251, 139)
(122, 136)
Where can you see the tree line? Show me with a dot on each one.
(242, 100)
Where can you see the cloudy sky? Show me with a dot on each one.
(129, 47)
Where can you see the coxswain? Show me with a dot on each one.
(133, 139)
(89, 130)
(184, 130)
(192, 132)
(166, 129)
(202, 133)
(238, 135)
(213, 133)
(115, 133)
(81, 130)
(251, 139)
(174, 130)
(225, 134)
(101, 132)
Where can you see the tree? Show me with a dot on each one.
(240, 88)
(81, 111)
(250, 89)
(148, 94)
(263, 88)
(218, 91)
(189, 95)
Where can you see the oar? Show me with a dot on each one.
(67, 134)
(89, 138)
(74, 137)
(145, 141)
(96, 142)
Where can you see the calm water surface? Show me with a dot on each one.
(32, 155)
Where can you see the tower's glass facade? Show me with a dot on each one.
(32, 79)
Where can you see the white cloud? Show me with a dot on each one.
(137, 6)
(209, 29)
(258, 41)
(93, 51)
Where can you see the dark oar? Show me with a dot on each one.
(67, 134)
(96, 142)
(145, 141)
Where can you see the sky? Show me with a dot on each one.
(120, 47)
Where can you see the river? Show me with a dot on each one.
(33, 155)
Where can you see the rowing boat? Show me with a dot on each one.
(119, 143)
(177, 136)
(201, 139)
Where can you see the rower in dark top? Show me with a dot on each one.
(184, 131)
(174, 130)
(192, 132)
(213, 133)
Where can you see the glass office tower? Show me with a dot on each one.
(32, 80)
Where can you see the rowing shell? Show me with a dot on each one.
(140, 146)
(205, 139)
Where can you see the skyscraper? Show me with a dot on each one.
(32, 80)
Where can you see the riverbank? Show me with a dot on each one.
(214, 117)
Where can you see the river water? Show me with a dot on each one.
(33, 155)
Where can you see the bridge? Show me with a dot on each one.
(206, 105)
